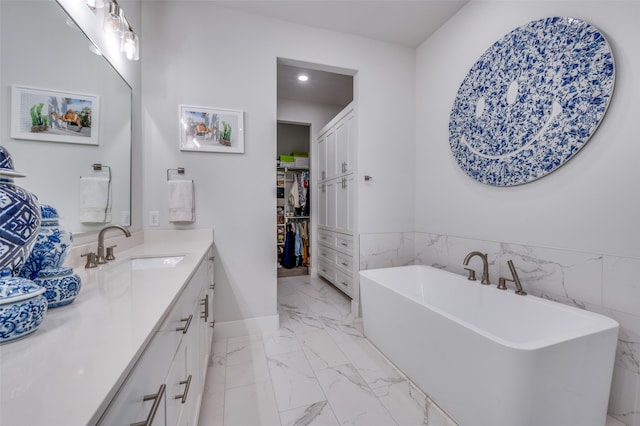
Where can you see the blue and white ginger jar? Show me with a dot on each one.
(19, 217)
(61, 285)
(22, 307)
(51, 247)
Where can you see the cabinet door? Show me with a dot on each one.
(322, 205)
(144, 392)
(322, 158)
(345, 144)
(178, 382)
(330, 138)
(331, 194)
(344, 204)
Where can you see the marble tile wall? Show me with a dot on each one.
(609, 285)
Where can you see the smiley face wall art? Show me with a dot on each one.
(531, 101)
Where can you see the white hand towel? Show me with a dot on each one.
(95, 199)
(181, 200)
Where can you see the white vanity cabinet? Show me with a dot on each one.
(173, 365)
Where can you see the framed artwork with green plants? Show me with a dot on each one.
(54, 116)
(211, 129)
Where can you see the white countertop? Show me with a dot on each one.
(69, 369)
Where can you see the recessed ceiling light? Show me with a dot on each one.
(303, 77)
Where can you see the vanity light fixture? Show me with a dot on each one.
(303, 77)
(113, 22)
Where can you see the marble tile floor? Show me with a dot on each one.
(317, 369)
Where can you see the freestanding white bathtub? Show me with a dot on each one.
(491, 357)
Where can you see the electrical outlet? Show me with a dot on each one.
(154, 218)
(125, 218)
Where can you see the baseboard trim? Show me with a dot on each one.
(245, 327)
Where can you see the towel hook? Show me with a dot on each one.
(179, 170)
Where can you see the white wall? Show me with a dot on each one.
(590, 203)
(200, 54)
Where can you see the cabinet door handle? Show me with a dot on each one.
(344, 183)
(324, 174)
(183, 397)
(212, 324)
(212, 258)
(344, 283)
(205, 302)
(186, 326)
(156, 403)
(212, 286)
(344, 167)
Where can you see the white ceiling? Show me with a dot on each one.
(402, 22)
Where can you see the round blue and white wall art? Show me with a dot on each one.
(531, 101)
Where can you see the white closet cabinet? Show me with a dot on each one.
(336, 201)
(166, 384)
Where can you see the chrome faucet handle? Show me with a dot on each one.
(502, 283)
(91, 260)
(110, 255)
(472, 274)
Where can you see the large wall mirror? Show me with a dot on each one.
(42, 48)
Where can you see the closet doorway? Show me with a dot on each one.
(293, 199)
(304, 107)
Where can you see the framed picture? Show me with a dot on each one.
(211, 129)
(54, 116)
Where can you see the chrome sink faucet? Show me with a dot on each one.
(502, 282)
(100, 255)
(485, 267)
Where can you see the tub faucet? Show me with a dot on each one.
(100, 255)
(502, 282)
(485, 266)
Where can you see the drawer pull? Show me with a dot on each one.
(324, 270)
(344, 283)
(344, 244)
(344, 264)
(183, 397)
(186, 326)
(154, 408)
(212, 258)
(205, 303)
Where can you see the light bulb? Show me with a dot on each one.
(130, 45)
(113, 20)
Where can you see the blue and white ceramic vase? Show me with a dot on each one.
(51, 247)
(19, 217)
(22, 307)
(61, 285)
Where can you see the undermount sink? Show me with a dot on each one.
(154, 262)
